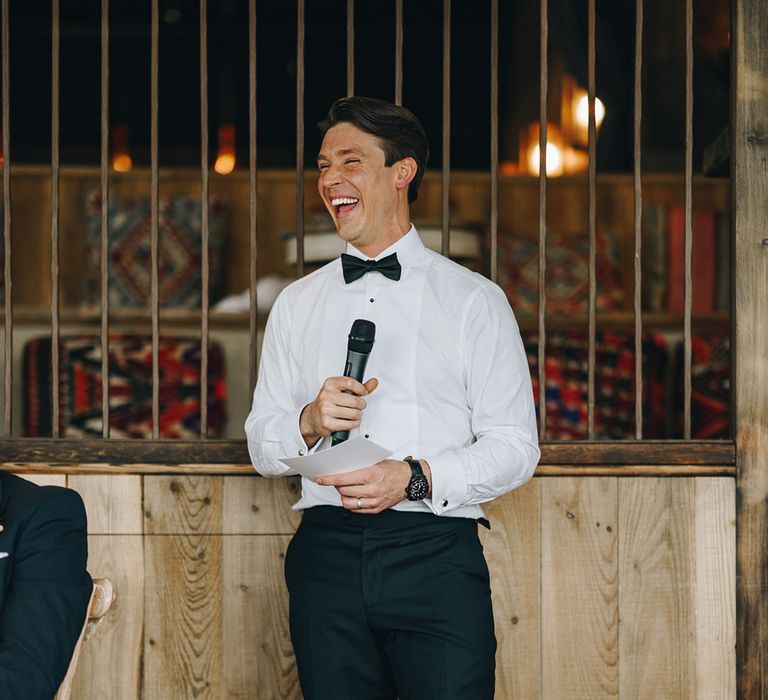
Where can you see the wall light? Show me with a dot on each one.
(574, 113)
(225, 157)
(121, 156)
(529, 152)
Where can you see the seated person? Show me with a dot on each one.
(44, 586)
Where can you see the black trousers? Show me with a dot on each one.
(394, 605)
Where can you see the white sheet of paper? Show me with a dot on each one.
(357, 453)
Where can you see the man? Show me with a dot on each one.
(44, 586)
(389, 592)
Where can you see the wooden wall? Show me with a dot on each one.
(603, 587)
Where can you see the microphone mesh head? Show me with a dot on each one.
(361, 336)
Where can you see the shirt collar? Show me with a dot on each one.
(410, 250)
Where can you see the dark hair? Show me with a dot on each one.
(400, 133)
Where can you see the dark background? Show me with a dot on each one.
(663, 126)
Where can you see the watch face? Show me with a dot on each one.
(418, 488)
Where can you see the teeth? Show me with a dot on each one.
(338, 201)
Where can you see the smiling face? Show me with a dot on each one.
(367, 199)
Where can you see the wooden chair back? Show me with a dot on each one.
(102, 597)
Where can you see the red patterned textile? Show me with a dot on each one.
(566, 377)
(130, 387)
(567, 273)
(710, 387)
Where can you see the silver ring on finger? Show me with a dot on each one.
(359, 504)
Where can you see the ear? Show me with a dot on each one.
(405, 171)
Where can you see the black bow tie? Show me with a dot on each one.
(354, 268)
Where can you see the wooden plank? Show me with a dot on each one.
(48, 479)
(579, 584)
(631, 470)
(513, 551)
(260, 506)
(110, 663)
(656, 583)
(715, 526)
(211, 456)
(258, 659)
(750, 191)
(183, 605)
(671, 470)
(182, 504)
(113, 503)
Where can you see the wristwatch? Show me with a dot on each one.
(418, 486)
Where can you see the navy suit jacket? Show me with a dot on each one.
(44, 585)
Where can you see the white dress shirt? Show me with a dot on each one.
(454, 385)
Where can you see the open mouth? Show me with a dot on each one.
(344, 205)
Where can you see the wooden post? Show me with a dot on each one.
(750, 199)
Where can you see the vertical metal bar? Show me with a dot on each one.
(398, 52)
(350, 47)
(494, 139)
(300, 138)
(204, 201)
(592, 141)
(55, 192)
(638, 202)
(8, 320)
(688, 212)
(104, 172)
(446, 179)
(253, 322)
(154, 221)
(543, 89)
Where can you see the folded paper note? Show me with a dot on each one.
(357, 453)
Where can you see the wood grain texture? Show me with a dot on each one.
(46, 479)
(183, 504)
(715, 602)
(579, 588)
(513, 551)
(231, 456)
(112, 502)
(110, 663)
(257, 506)
(749, 124)
(183, 605)
(258, 659)
(657, 578)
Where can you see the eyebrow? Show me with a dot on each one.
(343, 152)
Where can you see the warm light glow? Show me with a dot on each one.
(121, 156)
(582, 112)
(554, 160)
(122, 163)
(225, 158)
(225, 163)
(529, 150)
(575, 161)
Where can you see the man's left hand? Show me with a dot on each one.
(373, 489)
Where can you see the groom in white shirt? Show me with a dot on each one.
(389, 591)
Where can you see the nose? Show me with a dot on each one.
(330, 176)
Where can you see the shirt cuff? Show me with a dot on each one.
(291, 437)
(449, 482)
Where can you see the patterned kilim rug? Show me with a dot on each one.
(566, 379)
(130, 387)
(710, 387)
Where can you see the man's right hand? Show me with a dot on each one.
(333, 409)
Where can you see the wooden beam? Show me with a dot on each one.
(620, 457)
(750, 198)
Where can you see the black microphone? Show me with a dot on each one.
(361, 338)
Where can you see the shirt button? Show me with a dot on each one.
(366, 435)
(301, 453)
(2, 527)
(444, 503)
(371, 300)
